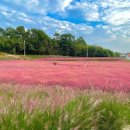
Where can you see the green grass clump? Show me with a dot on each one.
(110, 115)
(56, 108)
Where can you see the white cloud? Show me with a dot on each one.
(13, 15)
(24, 17)
(63, 26)
(114, 12)
(117, 16)
(42, 6)
(92, 16)
(89, 10)
(65, 3)
(114, 3)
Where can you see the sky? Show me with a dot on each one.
(100, 22)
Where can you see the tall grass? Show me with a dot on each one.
(57, 108)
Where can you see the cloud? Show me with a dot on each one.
(117, 16)
(88, 10)
(113, 12)
(13, 15)
(63, 26)
(42, 6)
(64, 4)
(24, 17)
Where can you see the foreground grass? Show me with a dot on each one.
(56, 108)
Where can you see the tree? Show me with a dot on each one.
(66, 44)
(36, 41)
(2, 32)
(21, 34)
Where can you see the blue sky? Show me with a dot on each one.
(100, 22)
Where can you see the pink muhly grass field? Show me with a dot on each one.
(107, 75)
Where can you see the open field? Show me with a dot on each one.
(109, 75)
(52, 94)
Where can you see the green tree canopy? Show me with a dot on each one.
(38, 42)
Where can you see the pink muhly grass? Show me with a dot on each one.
(107, 75)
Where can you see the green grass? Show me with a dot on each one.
(56, 108)
(5, 56)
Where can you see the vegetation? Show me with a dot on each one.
(57, 108)
(35, 41)
(6, 56)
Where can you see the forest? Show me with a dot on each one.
(36, 42)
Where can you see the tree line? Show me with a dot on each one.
(35, 41)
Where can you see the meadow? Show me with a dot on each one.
(56, 94)
(105, 75)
